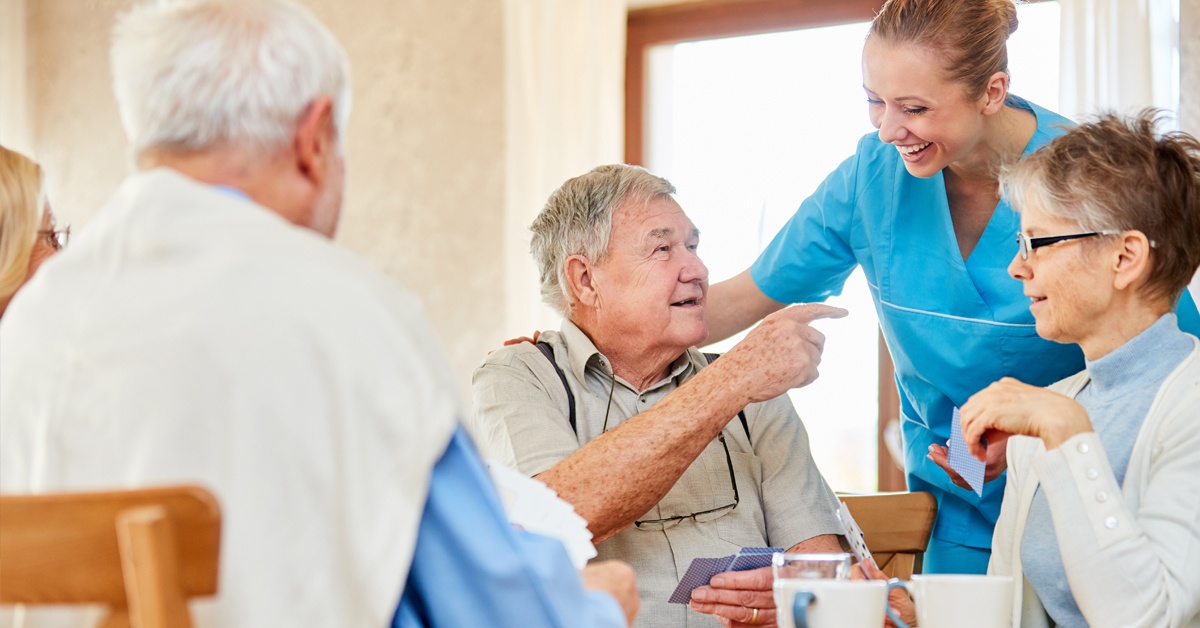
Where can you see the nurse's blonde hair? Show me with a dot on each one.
(21, 205)
(969, 36)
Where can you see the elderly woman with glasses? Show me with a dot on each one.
(27, 232)
(1100, 522)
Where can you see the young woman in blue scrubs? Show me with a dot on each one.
(918, 207)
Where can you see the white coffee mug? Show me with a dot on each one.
(830, 603)
(956, 600)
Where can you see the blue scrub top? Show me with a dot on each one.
(952, 326)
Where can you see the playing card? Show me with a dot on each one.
(701, 571)
(961, 460)
(855, 537)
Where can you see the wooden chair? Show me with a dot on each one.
(142, 553)
(896, 527)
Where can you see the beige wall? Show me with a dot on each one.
(425, 143)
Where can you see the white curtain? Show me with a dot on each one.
(14, 125)
(1119, 55)
(565, 115)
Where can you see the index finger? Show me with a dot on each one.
(752, 579)
(809, 312)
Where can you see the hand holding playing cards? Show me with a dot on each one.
(997, 459)
(737, 597)
(1010, 407)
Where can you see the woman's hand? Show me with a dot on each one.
(738, 598)
(1010, 407)
(997, 459)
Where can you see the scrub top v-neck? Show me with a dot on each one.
(953, 326)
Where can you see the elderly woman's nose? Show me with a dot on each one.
(1019, 268)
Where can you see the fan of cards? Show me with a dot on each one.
(858, 543)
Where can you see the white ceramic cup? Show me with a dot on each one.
(955, 600)
(830, 603)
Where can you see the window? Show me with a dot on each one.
(746, 127)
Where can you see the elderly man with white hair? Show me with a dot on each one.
(669, 459)
(206, 330)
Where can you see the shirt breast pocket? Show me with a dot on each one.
(744, 525)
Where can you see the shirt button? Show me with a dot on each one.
(1111, 523)
(1083, 448)
(1102, 497)
(642, 399)
(1092, 474)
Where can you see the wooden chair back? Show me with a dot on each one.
(142, 553)
(896, 527)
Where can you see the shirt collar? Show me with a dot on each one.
(581, 352)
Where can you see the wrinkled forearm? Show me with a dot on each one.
(620, 475)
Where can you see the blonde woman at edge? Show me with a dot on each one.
(27, 232)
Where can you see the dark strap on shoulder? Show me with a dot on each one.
(548, 351)
(712, 357)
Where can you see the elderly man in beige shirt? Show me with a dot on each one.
(668, 458)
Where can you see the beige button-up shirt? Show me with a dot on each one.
(521, 418)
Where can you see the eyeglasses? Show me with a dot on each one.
(56, 238)
(1025, 244)
(703, 516)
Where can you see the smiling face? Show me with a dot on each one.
(1069, 283)
(651, 286)
(929, 119)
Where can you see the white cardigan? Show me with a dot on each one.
(1131, 552)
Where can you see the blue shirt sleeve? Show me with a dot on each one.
(471, 567)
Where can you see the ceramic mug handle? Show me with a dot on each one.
(800, 608)
(896, 583)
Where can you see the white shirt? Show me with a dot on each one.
(192, 336)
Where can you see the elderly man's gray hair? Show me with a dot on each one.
(577, 220)
(194, 74)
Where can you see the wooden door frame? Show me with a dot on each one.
(711, 19)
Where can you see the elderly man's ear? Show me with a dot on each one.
(582, 281)
(315, 142)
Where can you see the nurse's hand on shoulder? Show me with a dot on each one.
(1011, 407)
(781, 353)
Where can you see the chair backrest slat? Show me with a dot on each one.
(896, 527)
(65, 548)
